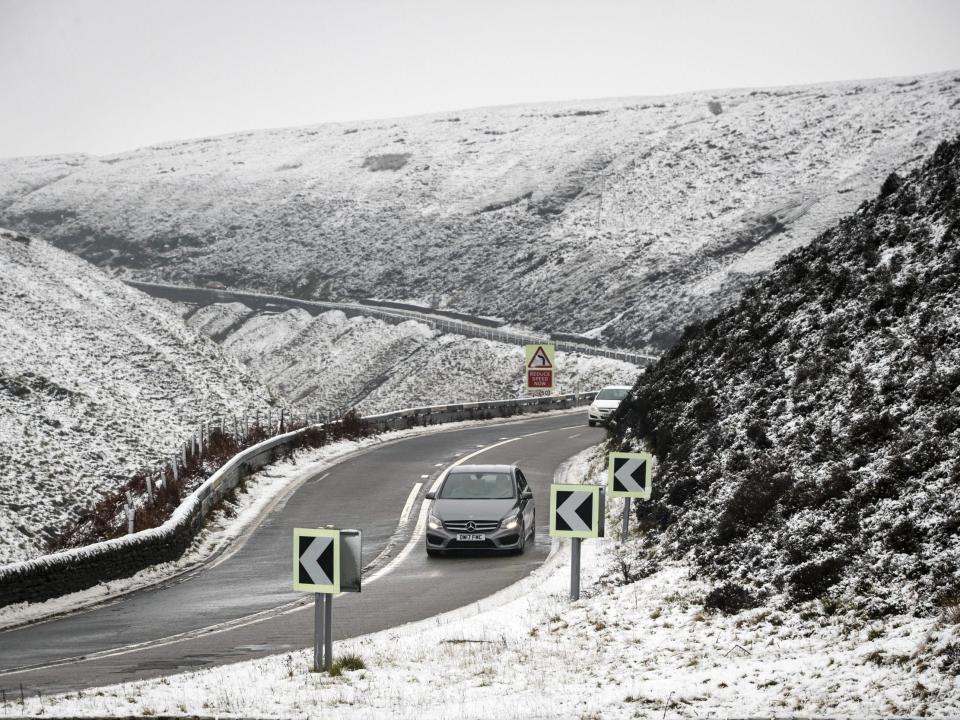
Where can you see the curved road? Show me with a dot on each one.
(242, 605)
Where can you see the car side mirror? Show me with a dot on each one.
(431, 495)
(527, 494)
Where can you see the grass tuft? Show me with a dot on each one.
(346, 663)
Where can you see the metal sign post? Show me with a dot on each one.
(328, 632)
(318, 602)
(576, 512)
(575, 568)
(326, 561)
(628, 476)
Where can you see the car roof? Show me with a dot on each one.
(481, 468)
(617, 387)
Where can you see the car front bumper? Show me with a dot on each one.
(601, 415)
(499, 539)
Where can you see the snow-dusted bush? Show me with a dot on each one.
(807, 438)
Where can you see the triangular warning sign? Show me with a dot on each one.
(540, 359)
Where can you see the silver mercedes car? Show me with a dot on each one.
(481, 507)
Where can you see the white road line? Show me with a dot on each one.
(575, 435)
(409, 503)
(407, 549)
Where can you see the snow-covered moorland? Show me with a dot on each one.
(626, 218)
(807, 437)
(644, 648)
(332, 361)
(96, 380)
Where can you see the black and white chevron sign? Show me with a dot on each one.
(629, 475)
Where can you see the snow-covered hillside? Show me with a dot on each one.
(331, 361)
(807, 437)
(96, 380)
(629, 217)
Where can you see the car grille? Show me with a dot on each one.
(479, 526)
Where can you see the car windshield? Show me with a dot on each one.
(612, 394)
(477, 486)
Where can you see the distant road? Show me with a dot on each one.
(394, 314)
(242, 605)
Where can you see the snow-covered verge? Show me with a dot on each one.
(331, 361)
(807, 437)
(626, 218)
(96, 381)
(642, 649)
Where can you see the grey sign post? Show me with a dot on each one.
(628, 476)
(576, 512)
(326, 561)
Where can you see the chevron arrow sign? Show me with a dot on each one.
(316, 560)
(576, 511)
(628, 475)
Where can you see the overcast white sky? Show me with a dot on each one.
(102, 76)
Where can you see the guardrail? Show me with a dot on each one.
(394, 315)
(77, 569)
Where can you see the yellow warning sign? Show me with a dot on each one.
(540, 363)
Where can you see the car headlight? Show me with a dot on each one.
(512, 523)
(433, 522)
(594, 408)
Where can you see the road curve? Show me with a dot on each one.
(242, 606)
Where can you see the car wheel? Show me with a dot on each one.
(523, 541)
(592, 423)
(433, 553)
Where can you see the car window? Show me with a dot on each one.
(612, 394)
(477, 486)
(521, 481)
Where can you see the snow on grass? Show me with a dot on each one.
(332, 361)
(96, 381)
(216, 320)
(643, 649)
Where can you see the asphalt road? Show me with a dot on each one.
(242, 605)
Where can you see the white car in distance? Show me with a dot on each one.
(607, 400)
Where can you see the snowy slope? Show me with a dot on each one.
(631, 215)
(96, 380)
(331, 361)
(808, 436)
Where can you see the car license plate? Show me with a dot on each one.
(472, 538)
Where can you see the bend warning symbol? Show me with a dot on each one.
(539, 366)
(539, 359)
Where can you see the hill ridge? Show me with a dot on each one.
(579, 217)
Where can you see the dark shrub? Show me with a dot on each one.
(904, 537)
(730, 598)
(813, 578)
(753, 501)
